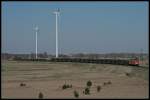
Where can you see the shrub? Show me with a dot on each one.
(104, 83)
(68, 86)
(83, 92)
(89, 83)
(87, 91)
(98, 88)
(128, 74)
(64, 86)
(41, 95)
(76, 94)
(22, 84)
(109, 82)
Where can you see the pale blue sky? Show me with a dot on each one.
(84, 27)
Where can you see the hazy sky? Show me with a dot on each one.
(84, 27)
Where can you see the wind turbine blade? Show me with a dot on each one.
(58, 10)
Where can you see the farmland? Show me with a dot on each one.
(48, 78)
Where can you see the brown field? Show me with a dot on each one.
(48, 78)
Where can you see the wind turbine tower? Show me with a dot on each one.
(36, 31)
(57, 13)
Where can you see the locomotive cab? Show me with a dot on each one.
(134, 62)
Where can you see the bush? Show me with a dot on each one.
(41, 95)
(104, 83)
(87, 91)
(128, 74)
(109, 82)
(98, 88)
(22, 84)
(89, 83)
(66, 86)
(76, 94)
(83, 92)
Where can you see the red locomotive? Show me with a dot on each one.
(134, 62)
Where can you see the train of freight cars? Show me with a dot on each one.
(132, 62)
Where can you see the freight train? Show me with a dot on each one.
(131, 62)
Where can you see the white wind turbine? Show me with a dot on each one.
(57, 13)
(36, 31)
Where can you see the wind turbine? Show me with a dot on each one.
(36, 31)
(57, 13)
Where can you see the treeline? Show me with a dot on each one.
(110, 55)
(8, 56)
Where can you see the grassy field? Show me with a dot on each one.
(48, 77)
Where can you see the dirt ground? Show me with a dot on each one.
(48, 78)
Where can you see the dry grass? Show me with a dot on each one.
(48, 78)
